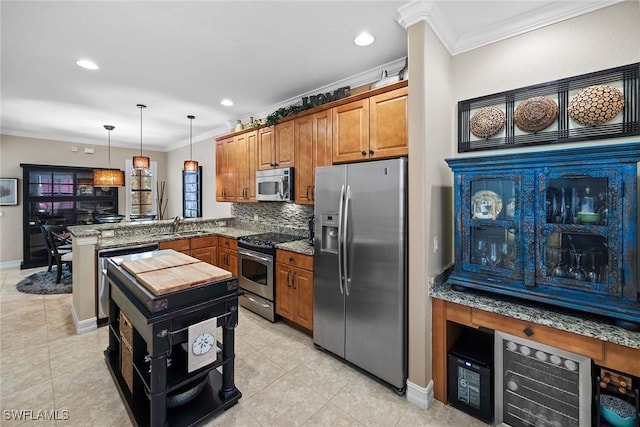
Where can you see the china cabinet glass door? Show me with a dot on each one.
(577, 240)
(492, 227)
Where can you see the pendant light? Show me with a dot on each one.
(141, 162)
(190, 165)
(108, 177)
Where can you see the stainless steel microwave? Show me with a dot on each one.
(275, 185)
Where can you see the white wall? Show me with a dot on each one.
(205, 153)
(15, 150)
(606, 38)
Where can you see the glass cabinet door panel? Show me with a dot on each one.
(63, 184)
(84, 184)
(493, 199)
(40, 183)
(578, 261)
(577, 200)
(493, 247)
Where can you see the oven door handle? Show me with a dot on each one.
(253, 255)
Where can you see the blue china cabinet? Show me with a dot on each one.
(558, 227)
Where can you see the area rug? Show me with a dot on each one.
(44, 282)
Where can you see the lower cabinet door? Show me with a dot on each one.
(284, 291)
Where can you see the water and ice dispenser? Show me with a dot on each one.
(329, 230)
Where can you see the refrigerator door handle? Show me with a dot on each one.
(345, 251)
(340, 275)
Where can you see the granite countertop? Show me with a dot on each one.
(570, 321)
(299, 246)
(130, 234)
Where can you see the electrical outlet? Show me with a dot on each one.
(435, 244)
(89, 151)
(108, 233)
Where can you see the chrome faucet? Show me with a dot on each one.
(176, 223)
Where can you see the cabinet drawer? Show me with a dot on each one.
(575, 343)
(459, 313)
(227, 242)
(295, 259)
(180, 245)
(204, 242)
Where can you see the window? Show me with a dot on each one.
(141, 190)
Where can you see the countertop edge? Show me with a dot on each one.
(553, 317)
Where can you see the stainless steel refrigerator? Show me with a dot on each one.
(360, 266)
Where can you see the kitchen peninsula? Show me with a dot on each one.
(88, 240)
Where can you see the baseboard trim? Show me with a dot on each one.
(10, 264)
(83, 326)
(420, 396)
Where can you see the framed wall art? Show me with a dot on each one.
(8, 191)
(598, 105)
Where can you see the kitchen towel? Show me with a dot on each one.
(202, 344)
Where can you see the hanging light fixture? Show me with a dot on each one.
(141, 162)
(108, 177)
(190, 165)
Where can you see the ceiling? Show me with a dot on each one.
(184, 57)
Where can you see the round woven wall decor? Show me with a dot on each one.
(535, 114)
(487, 121)
(596, 105)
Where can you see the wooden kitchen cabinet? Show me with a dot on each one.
(276, 146)
(313, 140)
(180, 245)
(246, 153)
(372, 128)
(226, 169)
(294, 287)
(228, 254)
(351, 132)
(205, 249)
(388, 124)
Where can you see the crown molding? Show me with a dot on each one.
(428, 11)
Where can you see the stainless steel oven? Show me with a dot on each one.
(256, 272)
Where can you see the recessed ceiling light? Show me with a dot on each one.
(87, 64)
(226, 102)
(364, 39)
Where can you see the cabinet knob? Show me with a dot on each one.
(272, 164)
(276, 164)
(371, 152)
(291, 259)
(364, 153)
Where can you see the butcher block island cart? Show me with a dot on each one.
(163, 351)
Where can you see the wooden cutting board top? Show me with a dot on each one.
(174, 272)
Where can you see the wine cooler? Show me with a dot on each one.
(540, 385)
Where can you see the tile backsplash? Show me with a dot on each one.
(288, 217)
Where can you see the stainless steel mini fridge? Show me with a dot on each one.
(360, 266)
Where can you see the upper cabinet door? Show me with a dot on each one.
(351, 132)
(266, 148)
(388, 124)
(284, 152)
(305, 165)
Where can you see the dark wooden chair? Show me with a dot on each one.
(57, 249)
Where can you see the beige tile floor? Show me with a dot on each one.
(284, 380)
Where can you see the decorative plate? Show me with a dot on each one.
(486, 204)
(596, 105)
(487, 122)
(535, 114)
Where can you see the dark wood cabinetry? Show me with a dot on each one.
(559, 227)
(59, 195)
